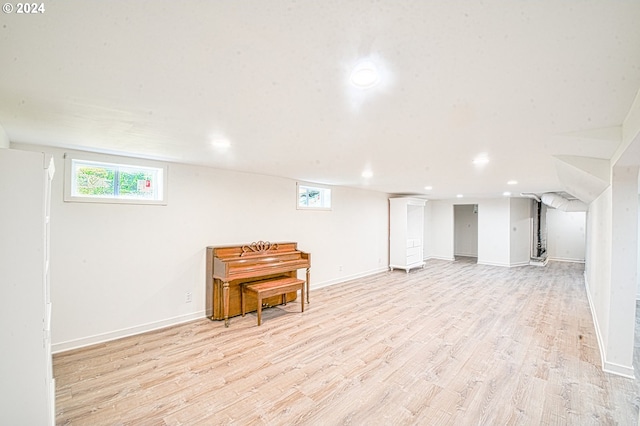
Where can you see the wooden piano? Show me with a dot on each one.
(228, 268)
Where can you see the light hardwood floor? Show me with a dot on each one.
(453, 343)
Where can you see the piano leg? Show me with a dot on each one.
(225, 299)
(307, 284)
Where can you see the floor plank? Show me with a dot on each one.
(453, 343)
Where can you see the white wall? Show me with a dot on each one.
(566, 236)
(597, 262)
(520, 232)
(4, 138)
(441, 229)
(119, 269)
(427, 243)
(499, 243)
(465, 230)
(611, 254)
(493, 232)
(25, 367)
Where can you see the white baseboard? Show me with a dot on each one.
(566, 259)
(156, 325)
(607, 366)
(315, 286)
(448, 259)
(125, 332)
(619, 370)
(466, 254)
(535, 262)
(484, 262)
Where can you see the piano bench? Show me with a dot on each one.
(276, 287)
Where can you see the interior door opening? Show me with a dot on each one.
(465, 218)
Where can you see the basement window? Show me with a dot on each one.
(136, 182)
(313, 197)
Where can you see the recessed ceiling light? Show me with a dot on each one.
(506, 193)
(481, 159)
(365, 75)
(512, 182)
(459, 196)
(428, 188)
(367, 174)
(221, 143)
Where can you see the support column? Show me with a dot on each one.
(624, 255)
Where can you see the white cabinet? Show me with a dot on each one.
(27, 386)
(406, 233)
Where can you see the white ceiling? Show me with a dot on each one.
(520, 81)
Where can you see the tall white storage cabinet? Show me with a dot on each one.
(406, 233)
(27, 387)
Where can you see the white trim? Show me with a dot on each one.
(594, 318)
(169, 322)
(448, 259)
(607, 366)
(125, 332)
(565, 259)
(466, 254)
(315, 286)
(535, 262)
(506, 265)
(518, 264)
(618, 370)
(162, 168)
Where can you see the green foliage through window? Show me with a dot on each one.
(106, 180)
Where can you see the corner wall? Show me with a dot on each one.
(503, 230)
(612, 253)
(520, 231)
(566, 235)
(494, 220)
(439, 238)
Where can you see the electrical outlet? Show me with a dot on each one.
(340, 268)
(187, 297)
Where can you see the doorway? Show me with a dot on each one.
(465, 218)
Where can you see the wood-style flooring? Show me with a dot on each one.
(454, 343)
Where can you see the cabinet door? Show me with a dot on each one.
(414, 255)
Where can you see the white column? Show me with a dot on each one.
(624, 255)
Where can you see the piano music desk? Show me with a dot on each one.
(279, 287)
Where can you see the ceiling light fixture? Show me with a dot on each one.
(365, 75)
(367, 174)
(512, 182)
(428, 188)
(459, 196)
(481, 159)
(506, 193)
(221, 143)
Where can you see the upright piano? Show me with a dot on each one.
(229, 267)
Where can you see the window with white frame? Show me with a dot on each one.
(314, 197)
(133, 181)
